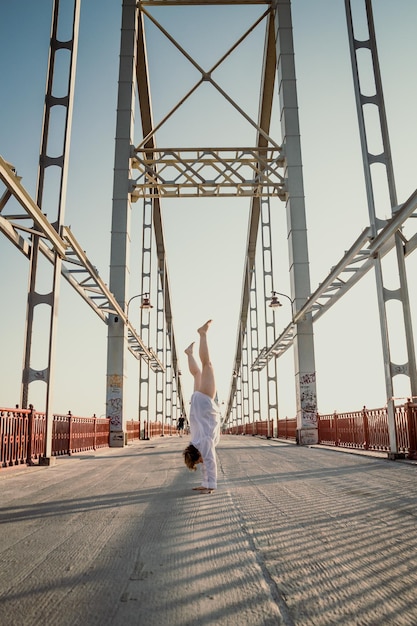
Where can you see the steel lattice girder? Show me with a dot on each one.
(41, 224)
(148, 153)
(199, 172)
(355, 264)
(76, 268)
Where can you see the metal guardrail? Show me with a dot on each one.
(366, 429)
(22, 435)
(261, 428)
(157, 429)
(22, 432)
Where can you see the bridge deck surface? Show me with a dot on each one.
(293, 536)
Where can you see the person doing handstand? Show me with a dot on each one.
(204, 415)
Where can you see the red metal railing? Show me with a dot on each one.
(366, 429)
(61, 435)
(22, 433)
(287, 428)
(264, 428)
(14, 428)
(71, 433)
(240, 429)
(411, 408)
(157, 429)
(133, 430)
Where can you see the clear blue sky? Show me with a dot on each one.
(206, 239)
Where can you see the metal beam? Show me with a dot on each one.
(76, 267)
(144, 96)
(207, 172)
(264, 120)
(357, 261)
(173, 3)
(9, 229)
(13, 184)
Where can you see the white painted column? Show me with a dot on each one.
(304, 361)
(121, 222)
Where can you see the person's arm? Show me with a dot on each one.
(204, 481)
(208, 452)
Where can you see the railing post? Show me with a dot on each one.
(29, 452)
(365, 428)
(336, 430)
(95, 432)
(412, 435)
(70, 433)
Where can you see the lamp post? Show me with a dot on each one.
(145, 304)
(275, 303)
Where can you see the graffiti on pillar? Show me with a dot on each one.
(114, 401)
(308, 399)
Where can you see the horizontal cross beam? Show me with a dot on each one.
(218, 172)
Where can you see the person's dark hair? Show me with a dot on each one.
(191, 457)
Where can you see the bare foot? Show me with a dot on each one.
(199, 488)
(206, 491)
(190, 348)
(203, 329)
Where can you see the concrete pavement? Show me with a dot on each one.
(293, 536)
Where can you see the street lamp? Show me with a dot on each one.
(145, 304)
(275, 303)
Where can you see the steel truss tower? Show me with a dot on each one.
(39, 239)
(54, 205)
(264, 170)
(370, 161)
(379, 239)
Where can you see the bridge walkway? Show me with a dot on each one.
(292, 536)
